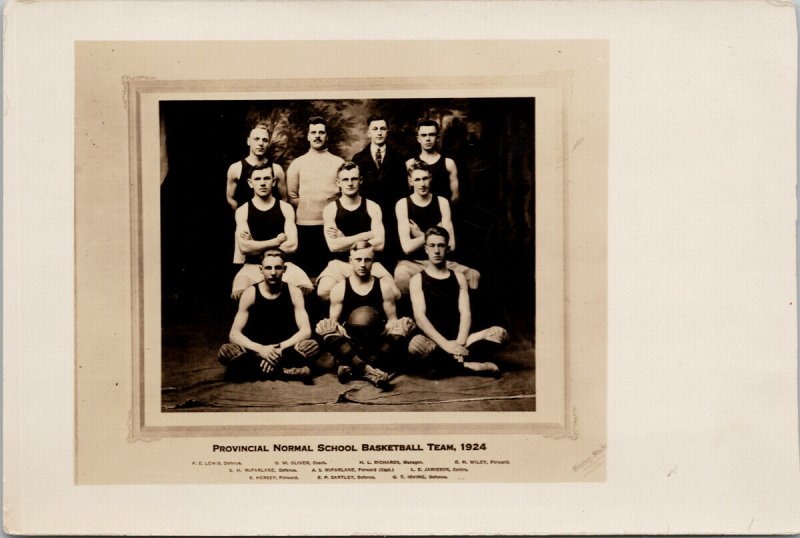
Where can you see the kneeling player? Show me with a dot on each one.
(270, 335)
(372, 339)
(440, 300)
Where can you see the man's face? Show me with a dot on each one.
(361, 261)
(436, 249)
(426, 136)
(377, 132)
(317, 136)
(272, 267)
(261, 181)
(258, 141)
(349, 181)
(420, 181)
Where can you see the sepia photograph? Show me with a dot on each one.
(370, 254)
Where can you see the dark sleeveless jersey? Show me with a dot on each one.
(271, 320)
(264, 225)
(243, 192)
(353, 300)
(352, 223)
(424, 217)
(440, 178)
(441, 303)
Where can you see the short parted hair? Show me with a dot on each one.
(347, 165)
(263, 166)
(438, 230)
(317, 120)
(418, 164)
(376, 117)
(260, 125)
(359, 245)
(427, 123)
(275, 253)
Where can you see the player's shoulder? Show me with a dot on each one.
(295, 293)
(337, 291)
(248, 296)
(462, 280)
(372, 206)
(235, 168)
(330, 208)
(241, 211)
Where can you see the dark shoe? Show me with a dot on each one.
(345, 374)
(377, 377)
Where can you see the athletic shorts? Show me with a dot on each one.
(406, 269)
(251, 273)
(339, 270)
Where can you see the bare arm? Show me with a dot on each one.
(236, 335)
(300, 317)
(336, 298)
(407, 242)
(247, 244)
(293, 183)
(450, 164)
(387, 293)
(376, 218)
(234, 171)
(280, 182)
(289, 228)
(338, 242)
(464, 310)
(447, 221)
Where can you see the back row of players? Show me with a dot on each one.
(339, 215)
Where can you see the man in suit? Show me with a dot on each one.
(383, 181)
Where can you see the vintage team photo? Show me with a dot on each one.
(348, 255)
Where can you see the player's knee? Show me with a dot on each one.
(401, 280)
(421, 347)
(498, 335)
(228, 352)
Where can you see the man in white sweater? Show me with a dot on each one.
(311, 184)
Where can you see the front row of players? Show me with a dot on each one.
(271, 334)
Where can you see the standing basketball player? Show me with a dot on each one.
(444, 174)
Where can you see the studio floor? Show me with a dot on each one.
(192, 381)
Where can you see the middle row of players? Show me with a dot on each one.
(266, 223)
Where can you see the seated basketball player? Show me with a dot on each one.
(270, 335)
(348, 220)
(417, 213)
(440, 300)
(265, 223)
(372, 340)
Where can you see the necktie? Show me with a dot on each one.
(378, 158)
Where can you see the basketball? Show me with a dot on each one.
(367, 318)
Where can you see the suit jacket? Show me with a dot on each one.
(386, 186)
